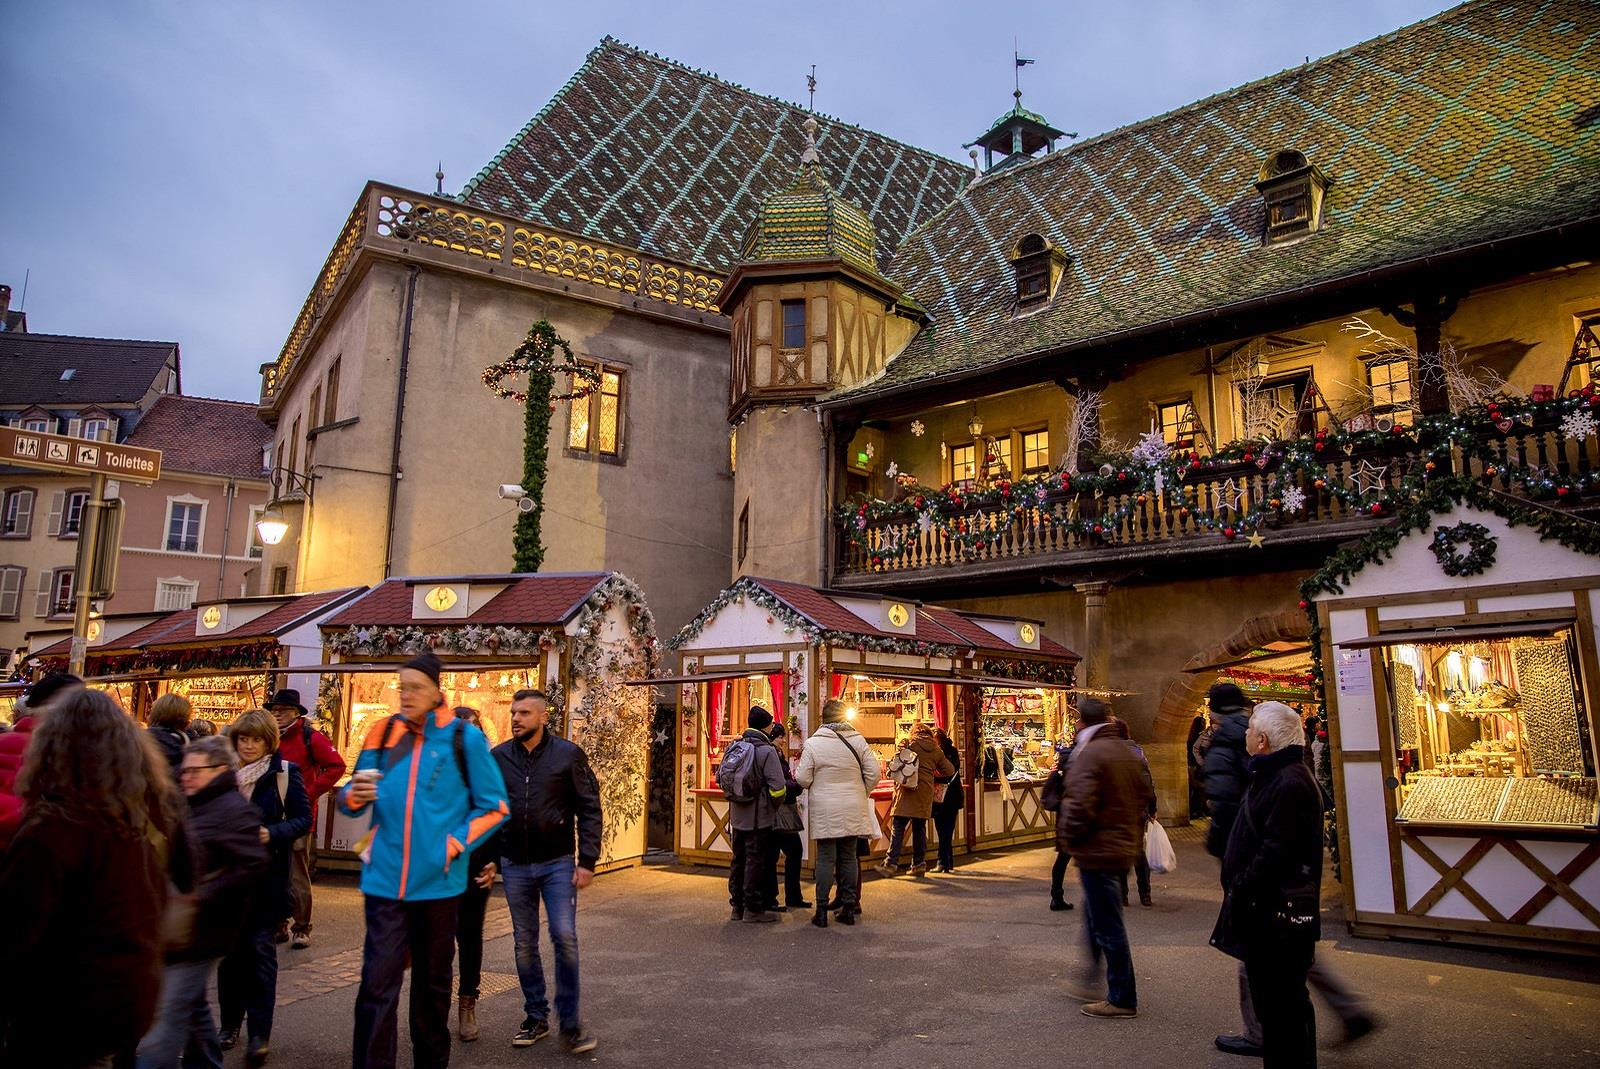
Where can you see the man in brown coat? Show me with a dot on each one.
(1100, 824)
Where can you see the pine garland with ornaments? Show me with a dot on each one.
(1370, 471)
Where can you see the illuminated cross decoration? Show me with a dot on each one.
(1368, 477)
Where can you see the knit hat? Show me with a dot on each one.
(760, 719)
(1225, 696)
(50, 687)
(428, 664)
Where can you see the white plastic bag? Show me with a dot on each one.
(1158, 850)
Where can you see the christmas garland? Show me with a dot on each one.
(1028, 671)
(193, 659)
(1300, 470)
(1479, 556)
(469, 639)
(536, 356)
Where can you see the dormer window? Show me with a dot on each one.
(1292, 189)
(1039, 266)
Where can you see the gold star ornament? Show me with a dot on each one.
(1255, 540)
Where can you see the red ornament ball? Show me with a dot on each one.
(1228, 532)
(1376, 508)
(1305, 604)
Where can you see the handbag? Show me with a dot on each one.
(939, 790)
(788, 819)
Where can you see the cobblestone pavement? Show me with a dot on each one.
(965, 970)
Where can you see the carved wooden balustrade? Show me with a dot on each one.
(399, 221)
(1147, 524)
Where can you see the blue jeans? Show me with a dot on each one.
(526, 885)
(1102, 924)
(919, 840)
(183, 1017)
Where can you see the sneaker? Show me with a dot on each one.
(228, 1038)
(888, 869)
(530, 1033)
(579, 1041)
(917, 870)
(1057, 905)
(255, 1054)
(1106, 1009)
(281, 935)
(761, 918)
(300, 941)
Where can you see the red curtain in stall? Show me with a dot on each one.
(941, 705)
(777, 681)
(716, 705)
(838, 684)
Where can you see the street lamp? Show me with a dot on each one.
(271, 527)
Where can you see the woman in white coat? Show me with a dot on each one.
(839, 770)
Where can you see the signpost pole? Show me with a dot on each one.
(82, 586)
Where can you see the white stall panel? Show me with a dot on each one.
(1368, 864)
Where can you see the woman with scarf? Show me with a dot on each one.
(247, 982)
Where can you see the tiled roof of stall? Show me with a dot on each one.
(527, 600)
(177, 628)
(657, 156)
(176, 623)
(975, 635)
(1478, 124)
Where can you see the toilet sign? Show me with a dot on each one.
(57, 452)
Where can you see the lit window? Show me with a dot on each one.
(1389, 382)
(1035, 451)
(1176, 421)
(997, 455)
(794, 324)
(17, 520)
(61, 593)
(72, 515)
(963, 464)
(597, 424)
(183, 527)
(733, 452)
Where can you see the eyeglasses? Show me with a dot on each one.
(416, 688)
(186, 769)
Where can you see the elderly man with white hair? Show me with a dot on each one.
(1272, 879)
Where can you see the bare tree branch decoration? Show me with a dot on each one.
(1085, 416)
(1467, 387)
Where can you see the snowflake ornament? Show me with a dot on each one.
(1577, 425)
(871, 451)
(892, 470)
(917, 428)
(924, 522)
(1152, 448)
(1294, 499)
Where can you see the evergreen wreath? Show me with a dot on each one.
(1480, 544)
(536, 356)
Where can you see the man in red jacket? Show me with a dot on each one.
(321, 767)
(14, 747)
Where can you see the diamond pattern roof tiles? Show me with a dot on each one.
(646, 152)
(1475, 125)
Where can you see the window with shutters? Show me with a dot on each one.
(11, 577)
(16, 514)
(294, 446)
(72, 512)
(55, 593)
(176, 593)
(39, 426)
(94, 428)
(185, 519)
(598, 422)
(253, 539)
(314, 414)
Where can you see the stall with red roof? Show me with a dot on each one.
(996, 685)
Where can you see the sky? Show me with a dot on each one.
(178, 169)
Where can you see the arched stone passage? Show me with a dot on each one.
(1185, 692)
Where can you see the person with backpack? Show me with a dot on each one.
(917, 771)
(435, 794)
(322, 768)
(751, 778)
(839, 770)
(247, 980)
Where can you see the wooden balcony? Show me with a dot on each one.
(1146, 530)
(403, 224)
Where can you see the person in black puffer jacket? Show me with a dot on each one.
(229, 860)
(1272, 883)
(169, 727)
(1224, 771)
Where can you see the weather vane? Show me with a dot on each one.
(811, 87)
(1016, 70)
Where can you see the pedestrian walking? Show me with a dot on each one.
(35, 702)
(1223, 764)
(321, 768)
(435, 794)
(201, 728)
(554, 813)
(471, 909)
(948, 807)
(1141, 863)
(838, 771)
(787, 826)
(1197, 793)
(752, 779)
(1272, 886)
(1050, 802)
(169, 727)
(84, 885)
(1103, 804)
(247, 979)
(913, 801)
(230, 860)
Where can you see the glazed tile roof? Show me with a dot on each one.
(646, 152)
(527, 601)
(205, 435)
(105, 371)
(809, 221)
(1478, 124)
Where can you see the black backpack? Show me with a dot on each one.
(458, 744)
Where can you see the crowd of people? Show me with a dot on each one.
(171, 856)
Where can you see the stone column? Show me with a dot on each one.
(1096, 665)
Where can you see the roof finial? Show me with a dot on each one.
(809, 155)
(811, 87)
(977, 172)
(438, 179)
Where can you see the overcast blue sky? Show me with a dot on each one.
(178, 170)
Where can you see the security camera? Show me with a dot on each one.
(525, 504)
(512, 490)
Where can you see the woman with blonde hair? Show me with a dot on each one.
(247, 981)
(86, 877)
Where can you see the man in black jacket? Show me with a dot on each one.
(1223, 771)
(224, 836)
(554, 799)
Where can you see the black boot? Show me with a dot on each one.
(848, 916)
(1058, 904)
(820, 918)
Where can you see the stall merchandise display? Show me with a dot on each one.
(1549, 705)
(1570, 800)
(1405, 705)
(376, 696)
(1453, 799)
(219, 699)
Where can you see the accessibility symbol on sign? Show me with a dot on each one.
(59, 452)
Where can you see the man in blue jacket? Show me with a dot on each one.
(435, 793)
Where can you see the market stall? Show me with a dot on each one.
(1459, 652)
(578, 637)
(996, 685)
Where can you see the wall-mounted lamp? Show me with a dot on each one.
(271, 527)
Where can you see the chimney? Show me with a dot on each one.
(5, 305)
